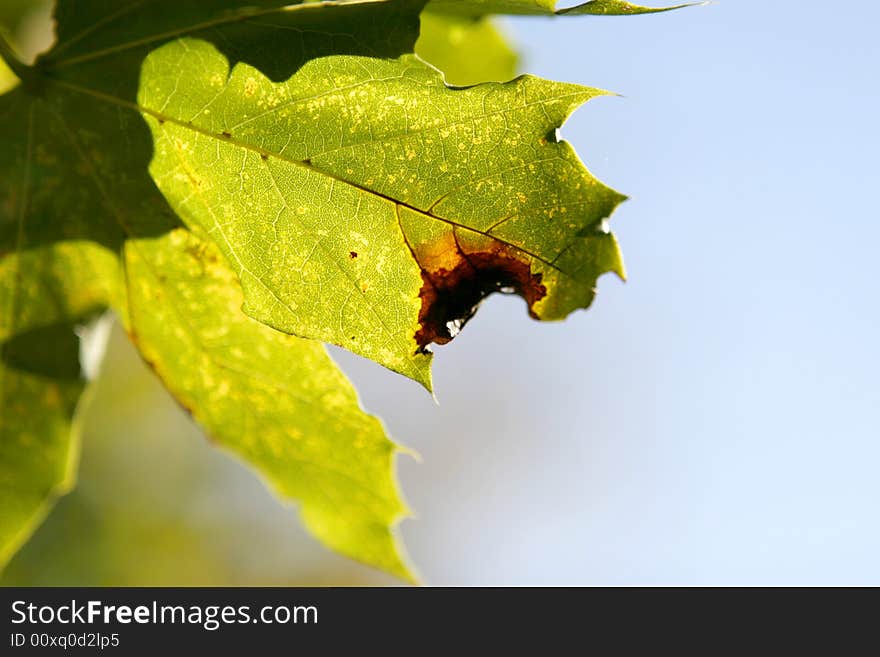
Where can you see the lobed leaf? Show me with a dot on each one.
(83, 227)
(467, 49)
(276, 401)
(332, 186)
(54, 273)
(363, 202)
(40, 385)
(547, 7)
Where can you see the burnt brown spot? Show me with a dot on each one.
(264, 157)
(352, 254)
(161, 121)
(451, 293)
(227, 135)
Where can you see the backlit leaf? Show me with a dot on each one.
(40, 385)
(544, 7)
(75, 195)
(274, 400)
(466, 49)
(363, 202)
(233, 177)
(54, 273)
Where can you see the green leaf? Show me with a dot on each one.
(274, 400)
(7, 77)
(618, 8)
(75, 195)
(545, 7)
(97, 29)
(467, 49)
(40, 385)
(332, 187)
(53, 274)
(363, 202)
(58, 261)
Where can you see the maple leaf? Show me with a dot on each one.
(83, 228)
(365, 203)
(316, 180)
(544, 7)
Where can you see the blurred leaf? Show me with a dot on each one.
(14, 12)
(95, 29)
(163, 507)
(7, 77)
(14, 15)
(467, 49)
(545, 7)
(58, 261)
(328, 179)
(275, 400)
(39, 389)
(363, 202)
(51, 277)
(74, 195)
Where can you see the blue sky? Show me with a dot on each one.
(717, 418)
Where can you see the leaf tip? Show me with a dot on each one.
(621, 8)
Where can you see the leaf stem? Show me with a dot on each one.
(13, 61)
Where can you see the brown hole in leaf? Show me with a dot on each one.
(452, 292)
(227, 135)
(352, 254)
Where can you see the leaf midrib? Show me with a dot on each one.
(305, 164)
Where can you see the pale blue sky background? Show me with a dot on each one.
(716, 419)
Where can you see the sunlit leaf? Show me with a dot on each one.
(316, 178)
(274, 400)
(40, 386)
(547, 7)
(363, 202)
(54, 273)
(75, 194)
(466, 49)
